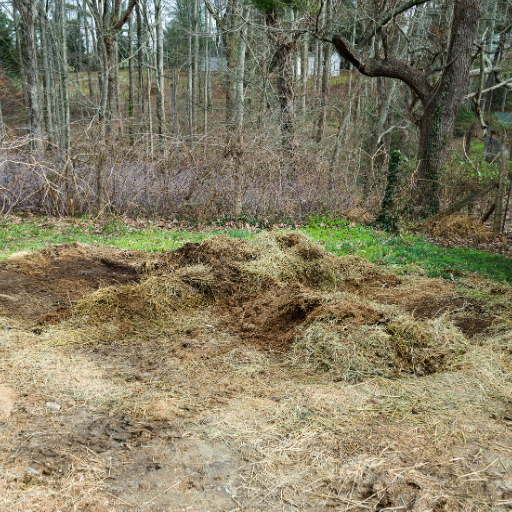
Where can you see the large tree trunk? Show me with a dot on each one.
(440, 109)
(27, 10)
(285, 50)
(286, 88)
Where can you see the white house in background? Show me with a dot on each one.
(335, 64)
(217, 62)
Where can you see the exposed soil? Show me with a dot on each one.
(270, 319)
(471, 316)
(53, 280)
(208, 410)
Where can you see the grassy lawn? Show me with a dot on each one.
(403, 254)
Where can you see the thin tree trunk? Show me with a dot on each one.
(175, 118)
(21, 59)
(89, 57)
(131, 78)
(498, 211)
(239, 117)
(2, 127)
(80, 65)
(190, 75)
(195, 62)
(140, 57)
(65, 120)
(160, 106)
(316, 65)
(326, 74)
(304, 72)
(47, 78)
(230, 37)
(207, 85)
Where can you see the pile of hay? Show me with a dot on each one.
(358, 347)
(459, 228)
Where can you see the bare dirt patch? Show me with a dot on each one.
(249, 375)
(54, 279)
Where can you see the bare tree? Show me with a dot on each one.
(440, 100)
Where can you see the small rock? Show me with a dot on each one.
(33, 471)
(52, 406)
(206, 420)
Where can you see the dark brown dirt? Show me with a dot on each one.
(270, 319)
(366, 285)
(469, 315)
(51, 281)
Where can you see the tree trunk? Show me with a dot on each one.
(47, 78)
(89, 56)
(326, 74)
(286, 89)
(230, 37)
(498, 215)
(195, 61)
(131, 79)
(27, 10)
(440, 101)
(207, 85)
(21, 59)
(65, 120)
(284, 56)
(160, 106)
(2, 127)
(140, 57)
(239, 118)
(304, 72)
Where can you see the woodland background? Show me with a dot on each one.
(219, 109)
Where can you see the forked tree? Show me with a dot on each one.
(440, 98)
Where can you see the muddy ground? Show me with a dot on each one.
(233, 375)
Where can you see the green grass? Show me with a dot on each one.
(411, 254)
(402, 254)
(35, 234)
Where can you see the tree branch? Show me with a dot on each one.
(391, 68)
(505, 83)
(216, 17)
(386, 19)
(119, 25)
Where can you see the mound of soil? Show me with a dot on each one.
(269, 320)
(50, 281)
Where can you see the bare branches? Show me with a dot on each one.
(391, 68)
(387, 18)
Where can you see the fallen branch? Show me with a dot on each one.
(458, 206)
